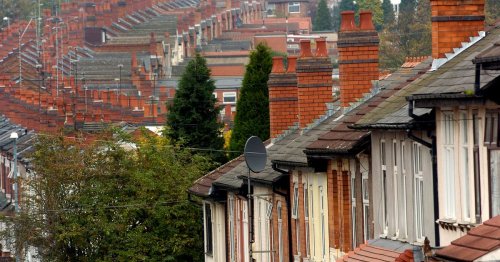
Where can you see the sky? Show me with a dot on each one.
(395, 2)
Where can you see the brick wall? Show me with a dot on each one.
(358, 56)
(453, 22)
(340, 217)
(314, 81)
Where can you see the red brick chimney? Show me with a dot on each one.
(283, 107)
(358, 56)
(314, 81)
(453, 22)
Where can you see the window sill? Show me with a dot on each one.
(452, 224)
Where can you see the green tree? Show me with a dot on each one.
(100, 202)
(336, 18)
(388, 11)
(192, 118)
(492, 10)
(377, 14)
(252, 108)
(323, 19)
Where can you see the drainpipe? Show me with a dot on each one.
(477, 90)
(288, 207)
(433, 147)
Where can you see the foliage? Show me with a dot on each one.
(388, 13)
(344, 5)
(492, 10)
(252, 117)
(323, 19)
(376, 7)
(192, 119)
(100, 202)
(411, 36)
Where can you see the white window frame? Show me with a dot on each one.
(449, 164)
(322, 214)
(232, 251)
(465, 165)
(295, 207)
(229, 94)
(383, 164)
(403, 171)
(215, 95)
(306, 217)
(353, 209)
(395, 185)
(366, 205)
(418, 191)
(271, 9)
(280, 231)
(292, 6)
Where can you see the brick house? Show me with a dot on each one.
(287, 8)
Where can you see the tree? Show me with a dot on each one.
(388, 11)
(344, 5)
(100, 202)
(323, 19)
(252, 108)
(192, 119)
(377, 14)
(492, 9)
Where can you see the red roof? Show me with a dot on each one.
(478, 242)
(369, 253)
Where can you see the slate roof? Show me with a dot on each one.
(382, 250)
(458, 75)
(342, 139)
(478, 242)
(24, 142)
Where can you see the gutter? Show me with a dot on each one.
(288, 207)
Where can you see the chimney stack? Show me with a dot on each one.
(283, 107)
(358, 56)
(453, 22)
(314, 81)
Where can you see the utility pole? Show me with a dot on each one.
(120, 66)
(15, 136)
(19, 53)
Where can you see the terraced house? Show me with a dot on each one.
(381, 169)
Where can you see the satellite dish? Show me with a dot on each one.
(255, 154)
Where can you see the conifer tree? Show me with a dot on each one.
(192, 119)
(388, 10)
(252, 108)
(323, 20)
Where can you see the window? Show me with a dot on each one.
(464, 162)
(208, 229)
(395, 185)
(312, 217)
(476, 123)
(294, 7)
(232, 251)
(271, 9)
(306, 216)
(295, 213)
(322, 218)
(215, 95)
(449, 164)
(295, 208)
(366, 206)
(491, 129)
(384, 186)
(419, 191)
(403, 171)
(495, 182)
(229, 97)
(280, 232)
(353, 209)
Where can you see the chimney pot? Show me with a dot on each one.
(365, 18)
(347, 21)
(278, 65)
(305, 48)
(292, 63)
(321, 50)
